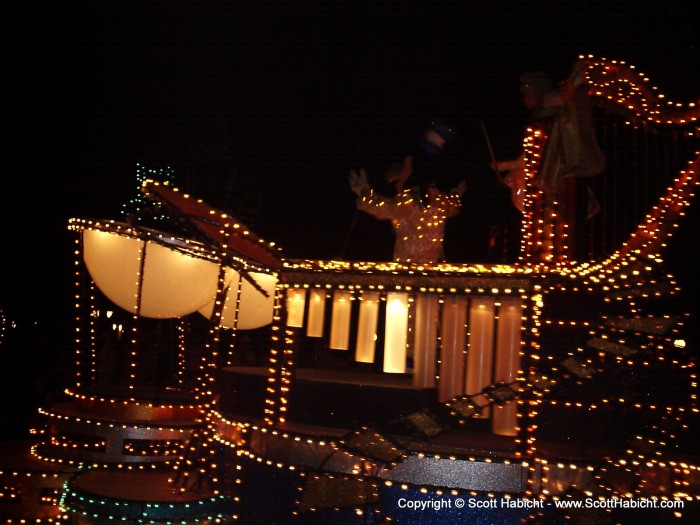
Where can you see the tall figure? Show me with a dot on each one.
(560, 195)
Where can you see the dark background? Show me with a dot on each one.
(262, 108)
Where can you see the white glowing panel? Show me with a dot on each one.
(296, 301)
(454, 320)
(174, 283)
(425, 340)
(481, 348)
(508, 341)
(317, 312)
(340, 320)
(396, 333)
(254, 308)
(367, 328)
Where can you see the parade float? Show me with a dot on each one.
(306, 391)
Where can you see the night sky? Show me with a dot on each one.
(262, 108)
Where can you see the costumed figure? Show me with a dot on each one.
(418, 212)
(570, 158)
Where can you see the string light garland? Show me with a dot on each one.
(138, 206)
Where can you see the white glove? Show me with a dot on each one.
(460, 188)
(358, 182)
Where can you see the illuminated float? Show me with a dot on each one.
(439, 383)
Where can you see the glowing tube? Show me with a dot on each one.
(454, 317)
(508, 333)
(340, 320)
(296, 300)
(367, 328)
(396, 334)
(480, 353)
(425, 340)
(317, 308)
